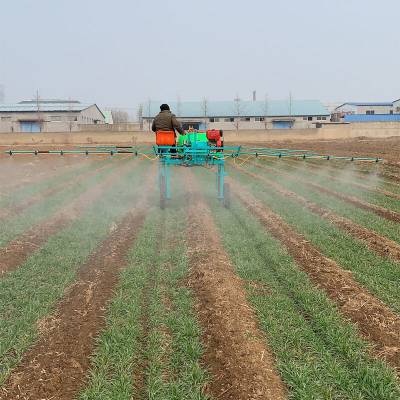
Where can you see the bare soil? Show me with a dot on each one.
(56, 366)
(387, 148)
(381, 245)
(375, 321)
(20, 170)
(17, 251)
(236, 353)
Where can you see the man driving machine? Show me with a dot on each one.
(166, 121)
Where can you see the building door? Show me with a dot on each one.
(282, 124)
(30, 126)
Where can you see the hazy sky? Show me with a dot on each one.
(122, 52)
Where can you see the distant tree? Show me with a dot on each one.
(120, 116)
(238, 110)
(266, 111)
(139, 115)
(148, 113)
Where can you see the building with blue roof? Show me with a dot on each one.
(237, 114)
(48, 116)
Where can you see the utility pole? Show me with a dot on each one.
(39, 117)
(204, 106)
(2, 90)
(178, 106)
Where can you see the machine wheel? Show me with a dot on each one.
(227, 196)
(163, 189)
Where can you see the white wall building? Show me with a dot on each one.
(231, 115)
(367, 108)
(48, 116)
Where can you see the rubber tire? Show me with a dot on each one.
(227, 196)
(163, 189)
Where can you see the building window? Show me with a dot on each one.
(6, 118)
(305, 118)
(212, 119)
(245, 119)
(260, 119)
(323, 118)
(391, 111)
(309, 118)
(56, 118)
(370, 112)
(229, 119)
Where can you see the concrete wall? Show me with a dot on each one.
(378, 130)
(225, 124)
(128, 127)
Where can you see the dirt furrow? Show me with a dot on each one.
(381, 245)
(17, 251)
(375, 321)
(57, 365)
(361, 174)
(12, 211)
(236, 353)
(358, 185)
(381, 211)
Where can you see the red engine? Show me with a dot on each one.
(215, 136)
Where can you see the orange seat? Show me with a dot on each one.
(165, 138)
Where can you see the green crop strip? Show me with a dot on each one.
(379, 275)
(319, 354)
(20, 195)
(29, 293)
(151, 327)
(36, 213)
(373, 198)
(384, 227)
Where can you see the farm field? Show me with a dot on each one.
(290, 293)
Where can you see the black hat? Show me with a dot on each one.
(164, 107)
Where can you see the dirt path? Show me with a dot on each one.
(375, 321)
(381, 211)
(57, 365)
(381, 245)
(236, 354)
(17, 251)
(12, 211)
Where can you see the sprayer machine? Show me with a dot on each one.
(195, 149)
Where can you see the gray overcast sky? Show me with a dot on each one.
(121, 52)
